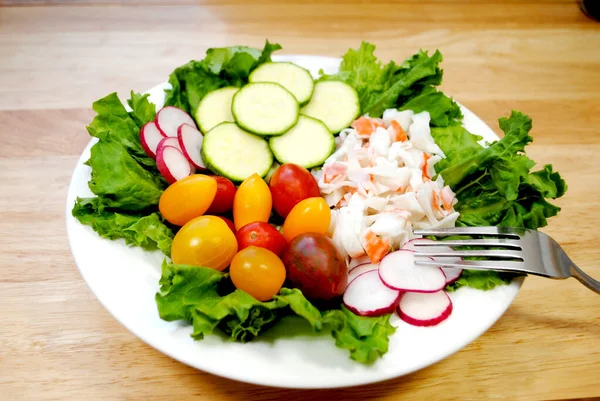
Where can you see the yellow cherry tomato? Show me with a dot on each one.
(257, 271)
(252, 202)
(204, 241)
(311, 215)
(187, 198)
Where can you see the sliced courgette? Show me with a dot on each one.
(215, 108)
(335, 103)
(265, 108)
(307, 144)
(231, 152)
(292, 77)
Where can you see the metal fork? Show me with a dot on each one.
(523, 251)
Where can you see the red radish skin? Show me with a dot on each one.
(360, 269)
(150, 137)
(421, 309)
(452, 273)
(398, 271)
(169, 141)
(172, 164)
(366, 295)
(190, 141)
(169, 118)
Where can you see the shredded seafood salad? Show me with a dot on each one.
(380, 183)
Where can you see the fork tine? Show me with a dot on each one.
(495, 253)
(497, 231)
(509, 243)
(498, 265)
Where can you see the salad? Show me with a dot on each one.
(274, 194)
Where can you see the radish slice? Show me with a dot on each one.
(169, 118)
(172, 164)
(421, 309)
(190, 141)
(361, 260)
(452, 273)
(169, 141)
(360, 269)
(150, 137)
(366, 295)
(398, 271)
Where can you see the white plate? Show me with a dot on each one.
(125, 281)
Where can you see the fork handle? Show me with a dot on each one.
(586, 280)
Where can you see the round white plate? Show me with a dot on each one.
(125, 281)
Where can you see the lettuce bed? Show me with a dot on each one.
(495, 185)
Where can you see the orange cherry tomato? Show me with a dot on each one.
(204, 241)
(187, 198)
(257, 271)
(252, 202)
(311, 215)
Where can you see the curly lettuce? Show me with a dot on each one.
(227, 66)
(206, 298)
(411, 83)
(124, 179)
(495, 186)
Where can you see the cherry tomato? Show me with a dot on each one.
(252, 202)
(228, 222)
(257, 271)
(223, 201)
(204, 241)
(262, 235)
(187, 198)
(311, 215)
(289, 185)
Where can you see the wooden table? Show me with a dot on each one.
(57, 342)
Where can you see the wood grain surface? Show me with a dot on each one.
(57, 342)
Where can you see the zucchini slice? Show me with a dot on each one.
(292, 77)
(233, 153)
(265, 108)
(335, 103)
(308, 144)
(215, 108)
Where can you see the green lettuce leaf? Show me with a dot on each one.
(142, 110)
(367, 338)
(206, 298)
(481, 280)
(113, 123)
(228, 66)
(146, 231)
(495, 186)
(120, 181)
(443, 110)
(381, 87)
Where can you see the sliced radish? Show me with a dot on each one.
(150, 137)
(169, 141)
(452, 273)
(368, 296)
(190, 141)
(360, 269)
(172, 164)
(169, 118)
(361, 260)
(399, 272)
(421, 309)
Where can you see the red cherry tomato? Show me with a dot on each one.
(262, 235)
(229, 223)
(223, 201)
(291, 184)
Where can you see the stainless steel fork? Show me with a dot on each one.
(523, 251)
